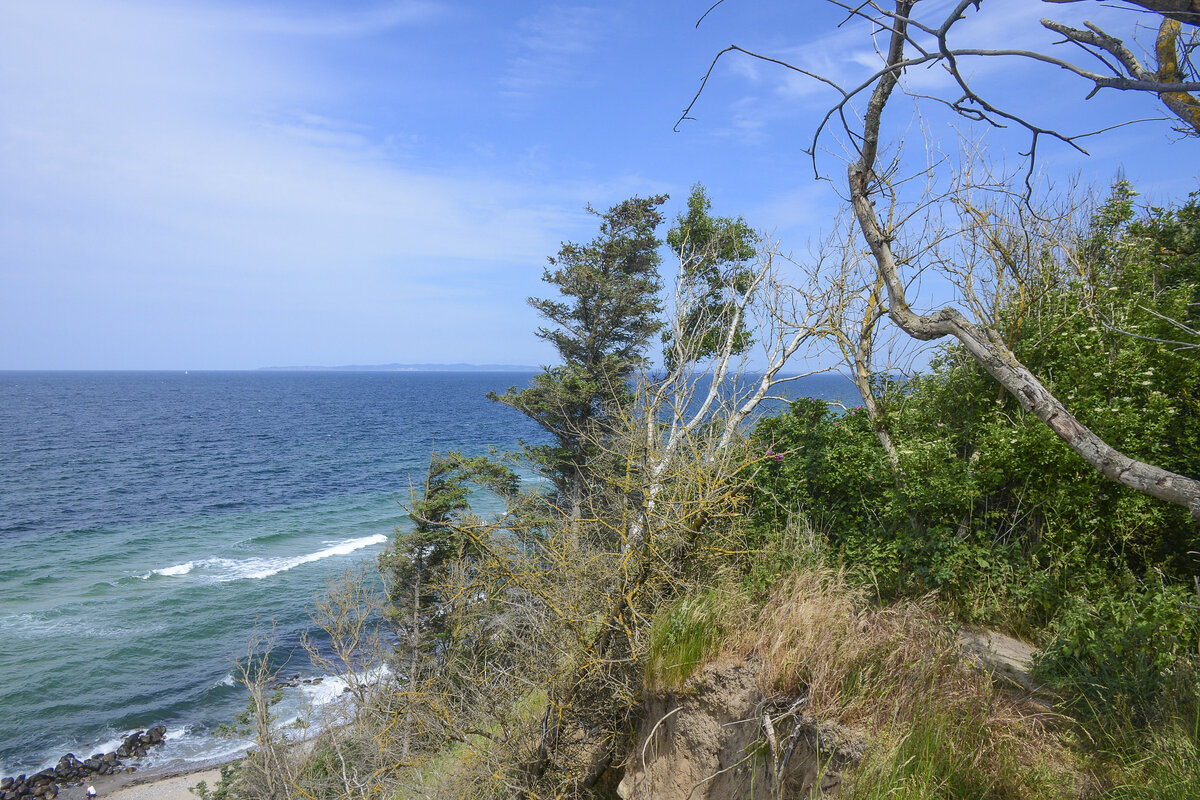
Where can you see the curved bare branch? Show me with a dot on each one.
(1167, 81)
(984, 345)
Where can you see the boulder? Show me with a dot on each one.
(44, 785)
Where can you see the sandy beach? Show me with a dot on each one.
(130, 787)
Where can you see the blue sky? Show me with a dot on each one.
(212, 185)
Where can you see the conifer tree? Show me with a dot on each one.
(606, 315)
(421, 556)
(715, 261)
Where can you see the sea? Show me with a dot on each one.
(152, 522)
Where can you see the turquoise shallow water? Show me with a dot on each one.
(148, 522)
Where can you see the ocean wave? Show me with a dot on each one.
(178, 569)
(325, 701)
(264, 538)
(223, 570)
(333, 687)
(48, 624)
(321, 702)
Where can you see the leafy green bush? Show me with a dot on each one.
(1123, 650)
(986, 506)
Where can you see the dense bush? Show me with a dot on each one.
(987, 507)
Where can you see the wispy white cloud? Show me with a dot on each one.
(550, 46)
(344, 22)
(151, 160)
(103, 120)
(324, 177)
(849, 55)
(745, 68)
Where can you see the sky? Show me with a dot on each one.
(231, 185)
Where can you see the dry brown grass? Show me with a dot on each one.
(889, 671)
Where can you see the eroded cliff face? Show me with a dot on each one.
(720, 738)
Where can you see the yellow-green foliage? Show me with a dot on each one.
(1162, 765)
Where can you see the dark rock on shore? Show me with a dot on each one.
(293, 682)
(44, 785)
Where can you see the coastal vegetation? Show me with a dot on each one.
(524, 650)
(1036, 478)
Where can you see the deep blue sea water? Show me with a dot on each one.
(149, 520)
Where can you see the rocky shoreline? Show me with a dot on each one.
(45, 785)
(295, 682)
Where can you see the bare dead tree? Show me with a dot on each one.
(1173, 75)
(984, 344)
(858, 310)
(347, 612)
(716, 395)
(909, 43)
(266, 772)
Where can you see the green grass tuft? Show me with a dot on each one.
(686, 634)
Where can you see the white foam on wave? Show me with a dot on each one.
(41, 623)
(334, 687)
(79, 749)
(185, 747)
(257, 568)
(32, 624)
(315, 705)
(327, 702)
(223, 570)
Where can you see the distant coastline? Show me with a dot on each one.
(408, 368)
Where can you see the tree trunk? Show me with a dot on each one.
(985, 345)
(1181, 10)
(414, 644)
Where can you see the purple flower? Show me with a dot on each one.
(778, 457)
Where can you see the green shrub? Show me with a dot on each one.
(1126, 653)
(985, 504)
